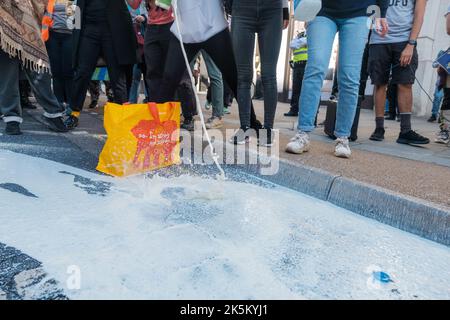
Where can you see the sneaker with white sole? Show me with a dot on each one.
(443, 137)
(299, 143)
(342, 149)
(266, 137)
(241, 136)
(214, 123)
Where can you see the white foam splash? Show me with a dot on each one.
(195, 238)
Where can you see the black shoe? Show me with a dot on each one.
(265, 137)
(71, 122)
(188, 124)
(291, 113)
(390, 117)
(28, 105)
(93, 104)
(377, 135)
(55, 124)
(433, 118)
(412, 137)
(13, 128)
(110, 96)
(241, 136)
(256, 125)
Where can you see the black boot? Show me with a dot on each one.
(71, 122)
(291, 113)
(55, 124)
(13, 128)
(188, 124)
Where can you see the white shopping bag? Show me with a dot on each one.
(306, 10)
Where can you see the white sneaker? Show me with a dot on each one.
(342, 149)
(299, 144)
(443, 137)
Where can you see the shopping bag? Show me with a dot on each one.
(141, 138)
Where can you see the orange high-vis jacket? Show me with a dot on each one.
(47, 21)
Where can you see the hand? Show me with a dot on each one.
(381, 26)
(285, 24)
(407, 54)
(139, 19)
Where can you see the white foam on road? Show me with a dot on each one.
(195, 238)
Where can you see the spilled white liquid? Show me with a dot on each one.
(196, 238)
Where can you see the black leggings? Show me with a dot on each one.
(220, 50)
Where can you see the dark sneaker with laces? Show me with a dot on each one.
(412, 137)
(242, 136)
(291, 113)
(377, 135)
(390, 117)
(28, 105)
(55, 124)
(93, 104)
(188, 124)
(71, 122)
(433, 118)
(13, 128)
(265, 137)
(256, 125)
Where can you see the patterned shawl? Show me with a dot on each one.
(20, 32)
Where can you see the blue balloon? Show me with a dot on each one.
(382, 276)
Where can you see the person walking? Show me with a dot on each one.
(349, 19)
(298, 64)
(22, 48)
(267, 19)
(59, 48)
(397, 54)
(106, 31)
(215, 93)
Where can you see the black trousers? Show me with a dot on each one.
(297, 83)
(227, 95)
(96, 41)
(364, 72)
(59, 47)
(220, 50)
(185, 94)
(156, 48)
(446, 101)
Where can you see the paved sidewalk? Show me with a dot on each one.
(421, 172)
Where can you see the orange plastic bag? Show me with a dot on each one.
(141, 138)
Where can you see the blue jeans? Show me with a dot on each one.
(437, 101)
(353, 35)
(215, 77)
(135, 84)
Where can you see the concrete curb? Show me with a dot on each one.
(407, 213)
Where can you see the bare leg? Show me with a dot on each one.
(380, 100)
(405, 98)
